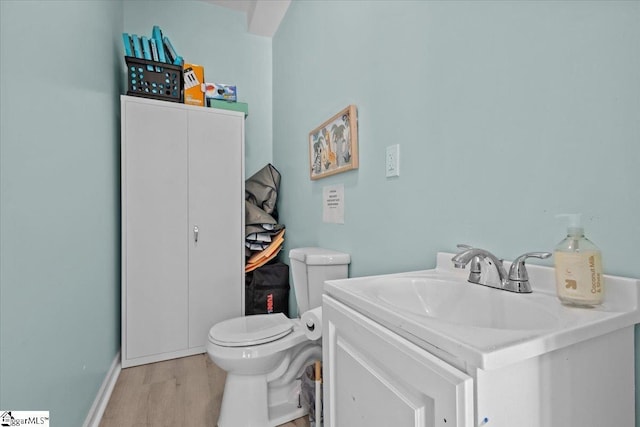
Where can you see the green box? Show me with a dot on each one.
(226, 105)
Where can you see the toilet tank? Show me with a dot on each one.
(310, 267)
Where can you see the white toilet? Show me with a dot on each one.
(264, 355)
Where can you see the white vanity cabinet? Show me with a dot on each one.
(374, 377)
(429, 349)
(182, 226)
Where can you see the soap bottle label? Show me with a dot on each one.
(579, 277)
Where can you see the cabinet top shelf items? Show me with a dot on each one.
(220, 107)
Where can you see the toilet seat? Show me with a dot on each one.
(250, 330)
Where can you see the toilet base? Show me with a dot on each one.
(284, 413)
(248, 401)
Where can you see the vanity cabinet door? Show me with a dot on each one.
(373, 377)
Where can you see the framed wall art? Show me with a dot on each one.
(333, 146)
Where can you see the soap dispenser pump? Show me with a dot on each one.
(578, 265)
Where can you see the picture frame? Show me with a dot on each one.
(333, 146)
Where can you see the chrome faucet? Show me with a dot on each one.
(517, 280)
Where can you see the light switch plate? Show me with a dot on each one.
(392, 160)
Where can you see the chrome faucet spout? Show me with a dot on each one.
(517, 280)
(463, 258)
(459, 264)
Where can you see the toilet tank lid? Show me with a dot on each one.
(319, 256)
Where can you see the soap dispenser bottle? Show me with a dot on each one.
(578, 263)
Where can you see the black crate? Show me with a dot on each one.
(156, 80)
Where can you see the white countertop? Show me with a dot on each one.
(487, 347)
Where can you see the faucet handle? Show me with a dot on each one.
(518, 276)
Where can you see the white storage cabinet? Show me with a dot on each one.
(182, 226)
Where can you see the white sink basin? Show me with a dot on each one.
(482, 326)
(462, 303)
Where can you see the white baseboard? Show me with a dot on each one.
(102, 398)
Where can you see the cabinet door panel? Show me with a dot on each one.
(374, 377)
(216, 208)
(154, 229)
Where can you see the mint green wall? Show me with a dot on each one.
(59, 203)
(506, 113)
(61, 76)
(217, 38)
(467, 89)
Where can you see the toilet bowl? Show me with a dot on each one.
(260, 389)
(264, 355)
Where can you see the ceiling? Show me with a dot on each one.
(263, 16)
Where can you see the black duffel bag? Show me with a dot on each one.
(267, 289)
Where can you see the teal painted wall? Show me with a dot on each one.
(467, 89)
(217, 38)
(507, 113)
(59, 204)
(62, 72)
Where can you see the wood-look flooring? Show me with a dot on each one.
(184, 392)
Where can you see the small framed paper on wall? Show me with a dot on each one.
(333, 146)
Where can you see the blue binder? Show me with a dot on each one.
(170, 52)
(154, 50)
(146, 48)
(137, 49)
(157, 36)
(127, 44)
